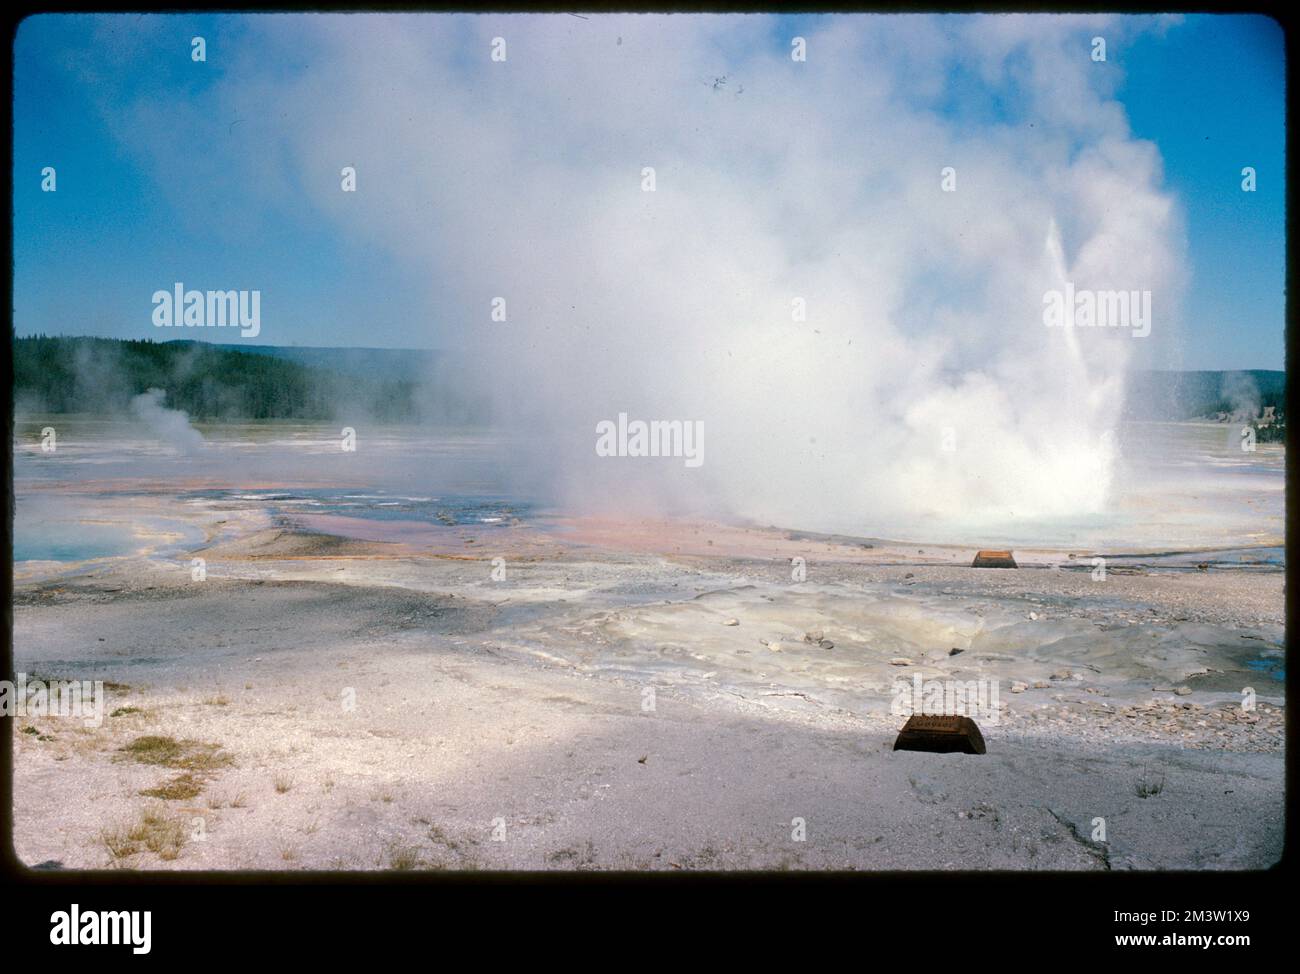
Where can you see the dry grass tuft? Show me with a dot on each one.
(119, 843)
(179, 755)
(1149, 785)
(156, 831)
(401, 856)
(182, 787)
(227, 799)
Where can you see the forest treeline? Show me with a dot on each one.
(209, 382)
(219, 382)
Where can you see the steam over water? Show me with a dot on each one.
(834, 266)
(1175, 487)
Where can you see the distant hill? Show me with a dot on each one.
(215, 382)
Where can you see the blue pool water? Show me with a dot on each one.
(485, 511)
(1275, 668)
(71, 541)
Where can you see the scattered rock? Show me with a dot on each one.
(1019, 687)
(1183, 691)
(731, 622)
(954, 651)
(1061, 675)
(900, 661)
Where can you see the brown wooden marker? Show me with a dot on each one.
(940, 734)
(994, 559)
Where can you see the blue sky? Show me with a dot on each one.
(1211, 95)
(1207, 91)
